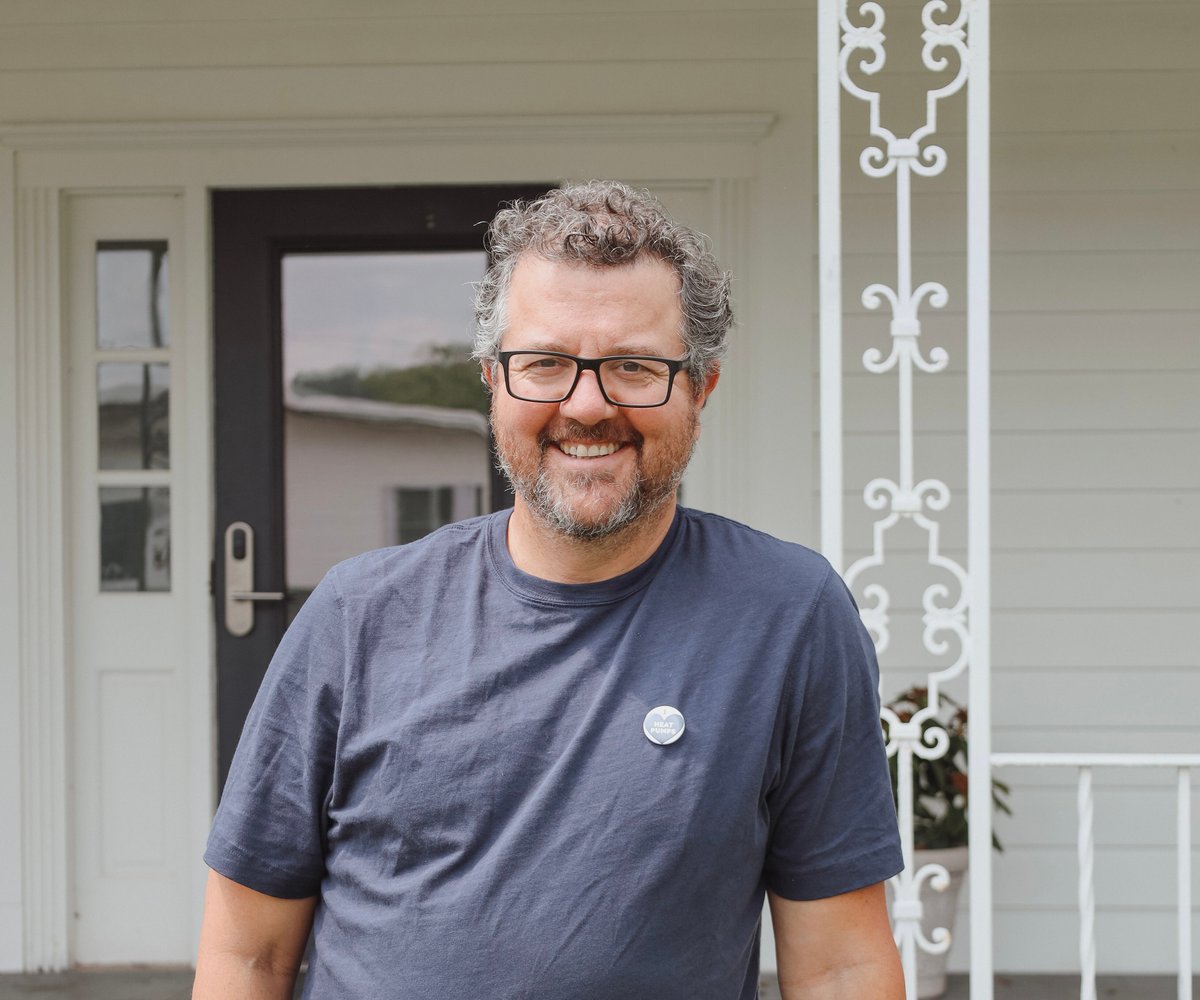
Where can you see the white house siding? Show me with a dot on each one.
(1095, 287)
(1096, 443)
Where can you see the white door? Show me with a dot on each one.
(129, 719)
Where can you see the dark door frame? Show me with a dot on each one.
(251, 232)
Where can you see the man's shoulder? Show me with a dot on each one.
(740, 547)
(755, 577)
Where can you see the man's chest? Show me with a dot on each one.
(571, 744)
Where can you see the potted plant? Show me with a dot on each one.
(939, 821)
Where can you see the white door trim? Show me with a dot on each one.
(11, 833)
(41, 575)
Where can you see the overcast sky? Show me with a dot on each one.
(367, 310)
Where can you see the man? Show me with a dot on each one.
(560, 754)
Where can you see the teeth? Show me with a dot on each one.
(587, 450)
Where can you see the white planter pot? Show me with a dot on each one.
(937, 910)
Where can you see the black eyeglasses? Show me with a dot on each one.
(624, 380)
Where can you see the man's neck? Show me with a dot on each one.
(540, 551)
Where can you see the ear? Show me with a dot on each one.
(488, 368)
(710, 384)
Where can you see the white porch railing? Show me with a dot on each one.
(1085, 763)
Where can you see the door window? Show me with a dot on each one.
(133, 378)
(385, 416)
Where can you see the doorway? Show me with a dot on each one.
(347, 412)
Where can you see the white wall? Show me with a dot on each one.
(1097, 134)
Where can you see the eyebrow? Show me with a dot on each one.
(622, 350)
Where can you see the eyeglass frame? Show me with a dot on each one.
(674, 367)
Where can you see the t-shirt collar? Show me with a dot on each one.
(534, 588)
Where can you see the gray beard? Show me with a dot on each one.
(553, 509)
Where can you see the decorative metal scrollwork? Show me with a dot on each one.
(946, 631)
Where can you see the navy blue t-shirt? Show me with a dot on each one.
(451, 754)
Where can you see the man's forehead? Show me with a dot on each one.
(642, 294)
(553, 302)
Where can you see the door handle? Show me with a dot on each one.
(240, 595)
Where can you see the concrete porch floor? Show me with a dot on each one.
(160, 984)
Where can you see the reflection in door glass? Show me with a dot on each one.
(419, 510)
(131, 294)
(135, 538)
(385, 418)
(133, 403)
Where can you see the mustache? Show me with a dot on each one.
(606, 430)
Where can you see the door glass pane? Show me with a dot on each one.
(131, 294)
(381, 402)
(134, 405)
(135, 538)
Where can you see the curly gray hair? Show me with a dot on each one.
(606, 224)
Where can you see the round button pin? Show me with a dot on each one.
(663, 725)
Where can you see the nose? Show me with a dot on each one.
(587, 404)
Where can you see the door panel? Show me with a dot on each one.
(341, 323)
(130, 709)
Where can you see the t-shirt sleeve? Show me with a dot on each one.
(833, 818)
(269, 831)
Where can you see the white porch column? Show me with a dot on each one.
(979, 518)
(851, 50)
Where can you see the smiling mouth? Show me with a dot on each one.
(587, 450)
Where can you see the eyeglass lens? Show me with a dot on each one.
(549, 378)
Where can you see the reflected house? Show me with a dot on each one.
(134, 411)
(385, 428)
(411, 467)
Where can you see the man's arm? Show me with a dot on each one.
(839, 948)
(251, 944)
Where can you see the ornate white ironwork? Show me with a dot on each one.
(862, 53)
(959, 45)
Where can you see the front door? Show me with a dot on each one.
(348, 415)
